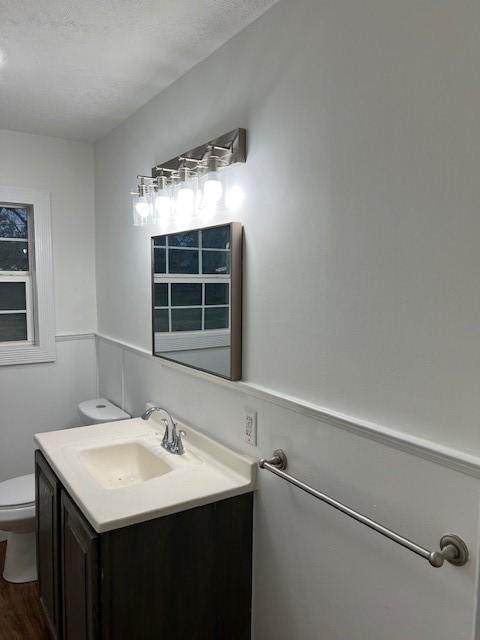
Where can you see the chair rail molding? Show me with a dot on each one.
(445, 456)
(68, 337)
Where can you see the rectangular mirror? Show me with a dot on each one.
(197, 298)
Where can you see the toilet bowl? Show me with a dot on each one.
(17, 519)
(17, 502)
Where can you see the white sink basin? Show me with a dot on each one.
(119, 474)
(122, 465)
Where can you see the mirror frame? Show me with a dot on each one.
(236, 277)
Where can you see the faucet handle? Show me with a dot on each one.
(177, 445)
(164, 421)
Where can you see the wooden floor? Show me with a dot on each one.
(21, 616)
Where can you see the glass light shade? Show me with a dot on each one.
(142, 209)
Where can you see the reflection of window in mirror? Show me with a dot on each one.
(192, 297)
(199, 301)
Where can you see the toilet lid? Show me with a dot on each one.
(102, 410)
(17, 491)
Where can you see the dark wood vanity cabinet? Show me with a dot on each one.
(79, 573)
(47, 490)
(186, 576)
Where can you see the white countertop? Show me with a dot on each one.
(207, 472)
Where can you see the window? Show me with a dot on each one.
(192, 281)
(26, 295)
(16, 309)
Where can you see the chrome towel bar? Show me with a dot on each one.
(452, 548)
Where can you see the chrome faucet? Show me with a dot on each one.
(172, 441)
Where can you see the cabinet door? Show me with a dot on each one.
(79, 558)
(48, 533)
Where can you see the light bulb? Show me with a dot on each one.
(185, 201)
(186, 189)
(142, 207)
(212, 190)
(212, 187)
(163, 201)
(162, 205)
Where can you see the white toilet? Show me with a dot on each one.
(100, 410)
(17, 518)
(17, 502)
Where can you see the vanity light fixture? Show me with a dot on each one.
(190, 184)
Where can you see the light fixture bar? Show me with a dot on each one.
(230, 148)
(192, 183)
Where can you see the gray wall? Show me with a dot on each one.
(361, 295)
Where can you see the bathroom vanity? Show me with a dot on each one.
(130, 550)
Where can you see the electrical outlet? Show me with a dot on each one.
(251, 426)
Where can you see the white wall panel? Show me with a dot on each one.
(110, 372)
(42, 397)
(317, 573)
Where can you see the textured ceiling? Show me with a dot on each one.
(77, 68)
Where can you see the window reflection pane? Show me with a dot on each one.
(160, 261)
(160, 320)
(216, 318)
(159, 241)
(186, 319)
(161, 295)
(216, 238)
(186, 239)
(186, 294)
(216, 261)
(216, 293)
(182, 261)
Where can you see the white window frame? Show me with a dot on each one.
(40, 343)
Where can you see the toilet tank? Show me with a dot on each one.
(100, 410)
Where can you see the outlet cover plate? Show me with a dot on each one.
(250, 426)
